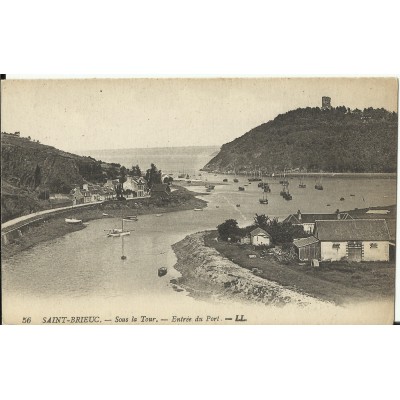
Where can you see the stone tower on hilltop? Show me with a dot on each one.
(326, 103)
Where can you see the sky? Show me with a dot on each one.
(93, 114)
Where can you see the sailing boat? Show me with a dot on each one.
(318, 185)
(284, 181)
(236, 180)
(119, 232)
(264, 199)
(287, 195)
(285, 192)
(302, 185)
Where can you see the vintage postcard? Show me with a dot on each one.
(199, 201)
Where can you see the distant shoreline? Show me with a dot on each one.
(54, 226)
(380, 175)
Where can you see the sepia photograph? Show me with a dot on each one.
(198, 201)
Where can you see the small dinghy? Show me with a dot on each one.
(162, 271)
(73, 221)
(117, 233)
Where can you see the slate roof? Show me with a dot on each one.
(305, 241)
(311, 218)
(258, 231)
(352, 229)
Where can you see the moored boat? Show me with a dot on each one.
(162, 271)
(118, 234)
(131, 217)
(73, 221)
(263, 200)
(318, 185)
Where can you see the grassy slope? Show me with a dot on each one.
(338, 282)
(312, 139)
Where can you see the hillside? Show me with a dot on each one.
(28, 169)
(315, 140)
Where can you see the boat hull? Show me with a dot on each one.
(73, 221)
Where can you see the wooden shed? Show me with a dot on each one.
(307, 248)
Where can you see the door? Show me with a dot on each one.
(355, 254)
(355, 251)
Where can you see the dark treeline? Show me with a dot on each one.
(314, 140)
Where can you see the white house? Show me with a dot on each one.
(137, 185)
(131, 184)
(353, 240)
(259, 237)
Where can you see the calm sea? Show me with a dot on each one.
(169, 159)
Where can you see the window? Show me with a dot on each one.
(373, 245)
(336, 246)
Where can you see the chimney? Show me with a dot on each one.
(299, 215)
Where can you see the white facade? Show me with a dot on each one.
(130, 184)
(376, 251)
(370, 251)
(333, 251)
(260, 240)
(308, 227)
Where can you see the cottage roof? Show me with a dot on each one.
(354, 229)
(259, 231)
(307, 241)
(311, 218)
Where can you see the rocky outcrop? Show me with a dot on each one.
(29, 165)
(28, 168)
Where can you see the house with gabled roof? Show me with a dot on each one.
(353, 240)
(307, 221)
(259, 237)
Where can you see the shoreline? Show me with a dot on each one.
(54, 226)
(214, 270)
(208, 275)
(380, 175)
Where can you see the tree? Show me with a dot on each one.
(119, 190)
(229, 229)
(135, 171)
(153, 176)
(280, 232)
(122, 178)
(262, 221)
